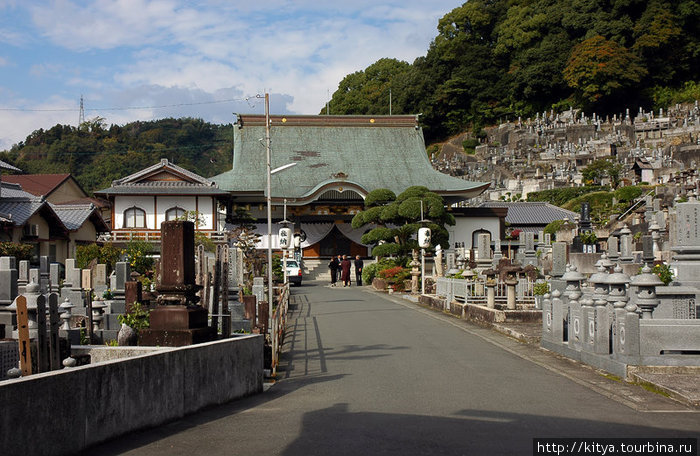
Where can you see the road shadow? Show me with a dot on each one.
(336, 430)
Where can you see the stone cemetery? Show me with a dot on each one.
(196, 299)
(605, 306)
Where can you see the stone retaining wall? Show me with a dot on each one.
(66, 411)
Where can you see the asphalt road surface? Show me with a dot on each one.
(365, 374)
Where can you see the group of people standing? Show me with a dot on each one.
(342, 265)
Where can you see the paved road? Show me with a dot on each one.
(367, 374)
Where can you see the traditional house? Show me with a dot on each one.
(329, 164)
(54, 230)
(142, 201)
(59, 189)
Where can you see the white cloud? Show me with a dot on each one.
(161, 52)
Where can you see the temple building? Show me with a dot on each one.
(328, 164)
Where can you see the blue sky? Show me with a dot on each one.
(136, 59)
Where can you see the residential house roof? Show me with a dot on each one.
(362, 153)
(538, 214)
(162, 178)
(38, 184)
(74, 216)
(7, 166)
(18, 206)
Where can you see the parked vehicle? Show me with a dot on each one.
(294, 274)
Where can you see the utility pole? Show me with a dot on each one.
(269, 210)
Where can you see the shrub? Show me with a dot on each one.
(628, 194)
(138, 318)
(107, 254)
(137, 253)
(664, 272)
(540, 288)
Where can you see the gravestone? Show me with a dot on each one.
(8, 292)
(55, 277)
(484, 247)
(44, 274)
(451, 262)
(100, 279)
(613, 248)
(23, 276)
(177, 320)
(8, 280)
(259, 288)
(497, 255)
(626, 245)
(559, 259)
(530, 253)
(686, 258)
(585, 221)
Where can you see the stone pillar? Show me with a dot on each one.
(625, 245)
(510, 282)
(559, 316)
(415, 273)
(439, 271)
(177, 320)
(491, 294)
(547, 320)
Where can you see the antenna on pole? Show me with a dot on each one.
(390, 106)
(81, 117)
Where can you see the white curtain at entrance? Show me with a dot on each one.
(261, 230)
(354, 235)
(315, 232)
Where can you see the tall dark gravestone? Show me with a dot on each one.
(177, 320)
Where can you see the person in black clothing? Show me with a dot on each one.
(334, 265)
(359, 264)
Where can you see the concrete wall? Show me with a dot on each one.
(65, 411)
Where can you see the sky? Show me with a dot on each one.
(149, 59)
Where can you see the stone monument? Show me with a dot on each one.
(177, 320)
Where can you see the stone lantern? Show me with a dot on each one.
(573, 280)
(646, 284)
(617, 283)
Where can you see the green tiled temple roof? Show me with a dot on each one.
(359, 152)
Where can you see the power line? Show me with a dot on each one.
(125, 108)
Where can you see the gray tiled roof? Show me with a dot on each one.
(138, 183)
(73, 216)
(16, 205)
(363, 151)
(535, 213)
(161, 187)
(20, 210)
(8, 166)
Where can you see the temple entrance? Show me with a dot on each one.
(335, 243)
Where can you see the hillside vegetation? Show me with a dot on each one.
(97, 155)
(494, 59)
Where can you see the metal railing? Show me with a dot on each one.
(154, 236)
(279, 324)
